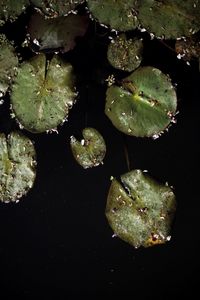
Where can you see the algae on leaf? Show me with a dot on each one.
(125, 54)
(91, 150)
(119, 15)
(140, 211)
(57, 33)
(8, 64)
(11, 9)
(56, 8)
(43, 93)
(170, 19)
(144, 104)
(17, 166)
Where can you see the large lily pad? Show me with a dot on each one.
(125, 54)
(57, 33)
(11, 9)
(140, 211)
(17, 166)
(144, 104)
(8, 64)
(56, 8)
(43, 93)
(170, 19)
(119, 15)
(91, 150)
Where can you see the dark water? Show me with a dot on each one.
(56, 242)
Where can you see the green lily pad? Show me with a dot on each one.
(11, 9)
(125, 54)
(56, 33)
(43, 93)
(8, 64)
(56, 8)
(119, 15)
(17, 166)
(91, 150)
(170, 19)
(140, 211)
(144, 104)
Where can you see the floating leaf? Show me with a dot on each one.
(58, 33)
(119, 15)
(124, 54)
(8, 64)
(142, 211)
(91, 150)
(17, 166)
(188, 48)
(144, 104)
(170, 19)
(43, 93)
(56, 8)
(11, 9)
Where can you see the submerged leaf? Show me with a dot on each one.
(119, 15)
(188, 48)
(170, 19)
(124, 54)
(11, 9)
(141, 212)
(144, 104)
(56, 8)
(43, 93)
(56, 34)
(8, 64)
(91, 150)
(17, 166)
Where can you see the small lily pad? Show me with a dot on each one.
(170, 19)
(57, 33)
(8, 64)
(144, 104)
(17, 166)
(119, 15)
(140, 211)
(188, 48)
(91, 150)
(125, 54)
(56, 8)
(11, 9)
(43, 93)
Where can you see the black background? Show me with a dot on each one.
(56, 241)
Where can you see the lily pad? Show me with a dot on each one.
(119, 15)
(43, 93)
(170, 19)
(140, 211)
(8, 64)
(57, 33)
(188, 48)
(91, 150)
(17, 166)
(144, 104)
(11, 9)
(56, 8)
(125, 54)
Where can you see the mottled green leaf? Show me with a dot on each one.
(56, 33)
(140, 210)
(43, 93)
(119, 15)
(11, 9)
(90, 151)
(170, 19)
(8, 64)
(56, 8)
(125, 54)
(144, 104)
(17, 166)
